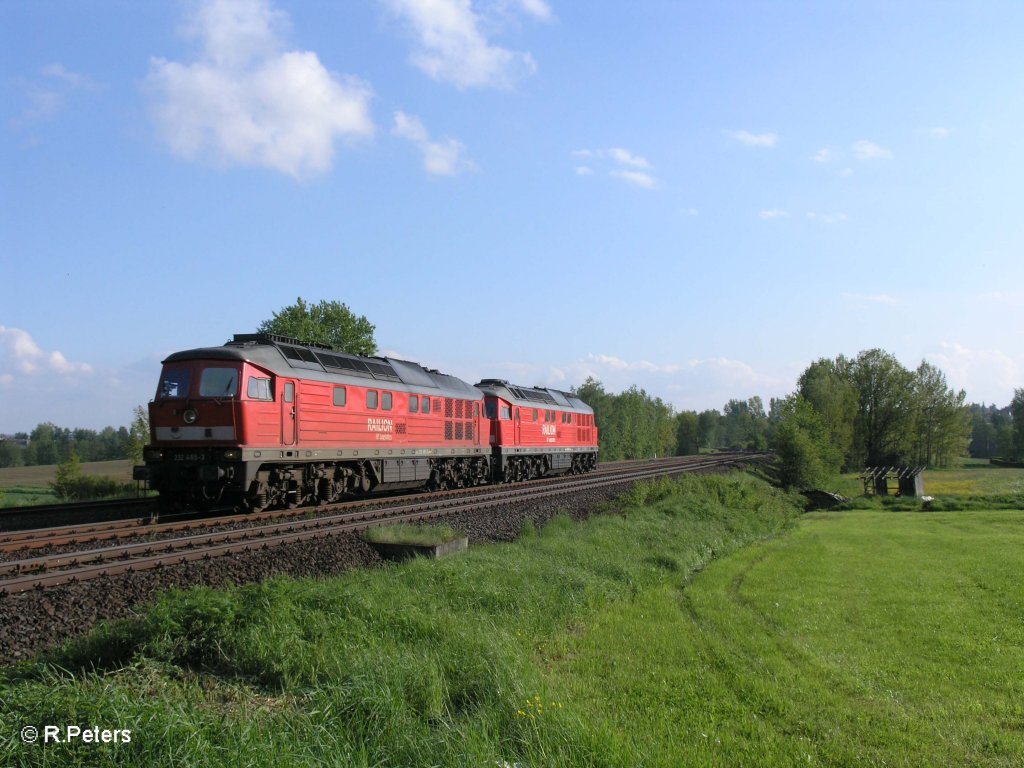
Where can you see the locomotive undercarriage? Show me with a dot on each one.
(529, 467)
(254, 487)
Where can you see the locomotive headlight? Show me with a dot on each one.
(190, 416)
(232, 454)
(152, 454)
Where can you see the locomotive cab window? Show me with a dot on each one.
(490, 409)
(534, 414)
(218, 382)
(371, 400)
(289, 392)
(414, 404)
(175, 383)
(385, 401)
(259, 389)
(340, 396)
(506, 412)
(426, 405)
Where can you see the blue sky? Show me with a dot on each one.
(699, 198)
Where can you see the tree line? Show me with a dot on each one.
(51, 444)
(846, 413)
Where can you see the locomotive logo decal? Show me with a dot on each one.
(380, 425)
(547, 429)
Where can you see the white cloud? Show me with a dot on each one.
(247, 101)
(823, 155)
(623, 164)
(846, 173)
(867, 150)
(636, 178)
(939, 132)
(48, 93)
(452, 46)
(58, 71)
(988, 375)
(827, 218)
(625, 157)
(440, 158)
(27, 356)
(537, 8)
(755, 139)
(773, 213)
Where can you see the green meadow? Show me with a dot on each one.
(703, 621)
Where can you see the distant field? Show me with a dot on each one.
(975, 477)
(41, 477)
(23, 486)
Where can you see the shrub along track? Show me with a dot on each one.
(49, 598)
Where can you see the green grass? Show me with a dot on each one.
(428, 663)
(860, 639)
(974, 478)
(24, 486)
(693, 625)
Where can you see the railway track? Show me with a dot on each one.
(73, 513)
(161, 545)
(147, 526)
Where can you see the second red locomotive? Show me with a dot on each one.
(266, 421)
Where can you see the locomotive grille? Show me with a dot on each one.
(458, 409)
(400, 428)
(447, 430)
(458, 430)
(437, 405)
(448, 408)
(469, 430)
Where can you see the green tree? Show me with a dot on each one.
(138, 435)
(941, 421)
(828, 386)
(11, 454)
(807, 458)
(687, 433)
(69, 477)
(43, 445)
(707, 425)
(1017, 413)
(884, 416)
(983, 431)
(329, 322)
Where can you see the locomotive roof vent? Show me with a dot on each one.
(274, 338)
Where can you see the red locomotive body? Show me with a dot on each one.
(268, 421)
(538, 431)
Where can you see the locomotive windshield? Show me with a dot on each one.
(175, 383)
(218, 382)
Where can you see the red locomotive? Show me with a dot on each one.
(267, 421)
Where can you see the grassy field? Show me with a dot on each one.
(862, 638)
(974, 477)
(695, 625)
(20, 486)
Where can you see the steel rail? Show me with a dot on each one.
(38, 538)
(95, 563)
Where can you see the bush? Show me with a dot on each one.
(72, 485)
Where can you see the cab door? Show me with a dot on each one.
(518, 426)
(289, 411)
